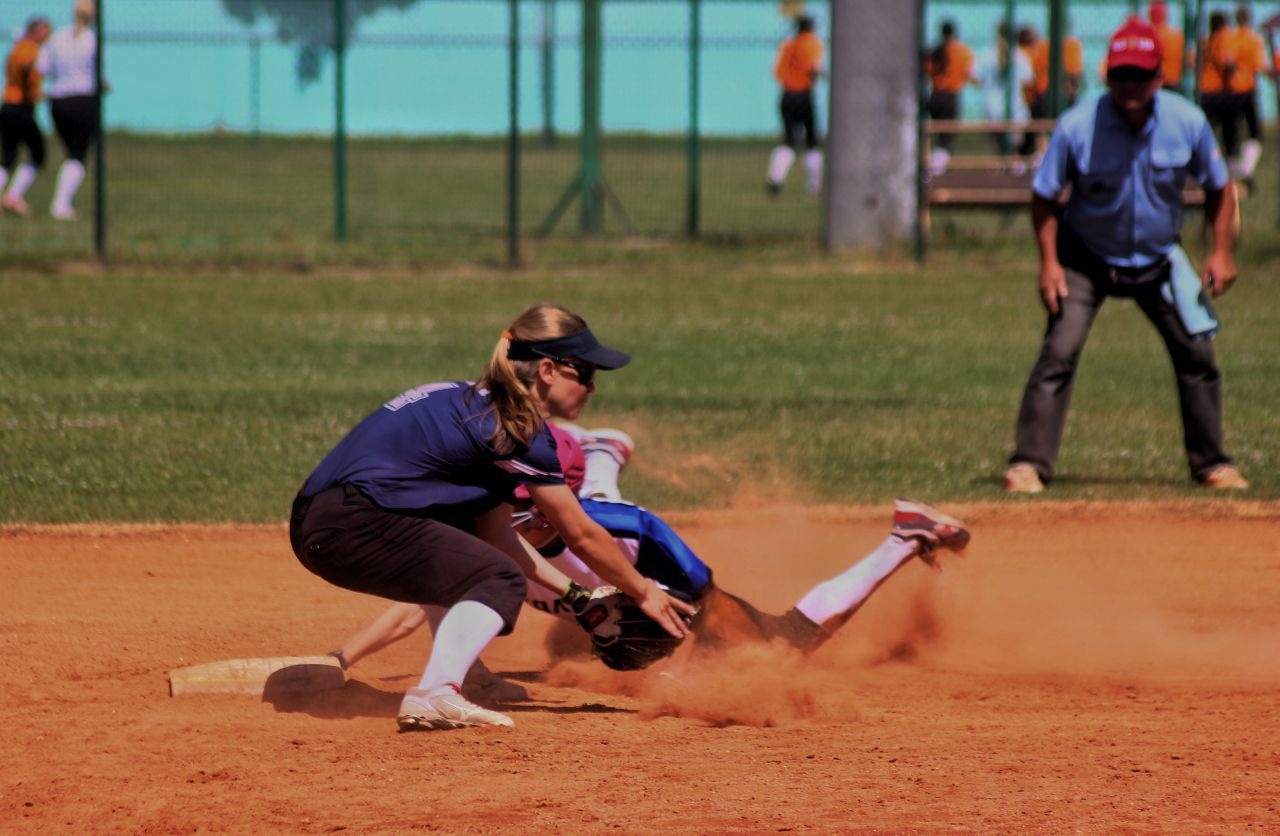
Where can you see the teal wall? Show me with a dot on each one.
(440, 67)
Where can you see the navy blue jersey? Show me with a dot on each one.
(429, 448)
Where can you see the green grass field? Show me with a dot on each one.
(205, 372)
(226, 200)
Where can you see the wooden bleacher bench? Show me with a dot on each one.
(975, 181)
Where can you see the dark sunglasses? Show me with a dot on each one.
(1131, 74)
(586, 373)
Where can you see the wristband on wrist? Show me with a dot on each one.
(576, 597)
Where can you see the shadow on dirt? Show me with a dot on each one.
(359, 699)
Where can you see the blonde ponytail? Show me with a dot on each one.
(510, 382)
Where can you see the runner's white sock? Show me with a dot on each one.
(780, 161)
(70, 176)
(22, 180)
(466, 629)
(843, 594)
(813, 168)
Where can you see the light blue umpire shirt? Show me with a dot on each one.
(1126, 186)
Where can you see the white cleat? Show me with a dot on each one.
(423, 711)
(16, 206)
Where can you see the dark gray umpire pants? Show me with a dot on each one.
(1045, 400)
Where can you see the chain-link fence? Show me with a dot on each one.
(236, 130)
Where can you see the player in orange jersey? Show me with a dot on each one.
(1217, 65)
(949, 66)
(797, 69)
(1173, 45)
(18, 116)
(1242, 90)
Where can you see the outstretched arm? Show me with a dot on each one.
(598, 550)
(395, 623)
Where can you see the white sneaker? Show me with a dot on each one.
(63, 214)
(424, 711)
(1225, 477)
(1022, 478)
(484, 685)
(16, 206)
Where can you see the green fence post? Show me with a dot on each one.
(548, 56)
(592, 185)
(1191, 33)
(340, 126)
(1011, 73)
(100, 152)
(513, 134)
(694, 219)
(255, 87)
(920, 106)
(1057, 34)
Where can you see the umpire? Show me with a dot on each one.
(1126, 157)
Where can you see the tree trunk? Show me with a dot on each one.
(871, 145)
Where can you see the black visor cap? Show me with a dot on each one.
(580, 346)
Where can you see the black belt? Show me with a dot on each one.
(1138, 275)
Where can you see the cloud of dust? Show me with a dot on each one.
(768, 685)
(760, 685)
(1037, 622)
(1033, 621)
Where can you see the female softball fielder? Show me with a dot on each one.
(657, 552)
(414, 504)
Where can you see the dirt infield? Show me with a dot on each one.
(1083, 667)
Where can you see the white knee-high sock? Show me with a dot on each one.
(843, 594)
(813, 168)
(464, 631)
(780, 161)
(70, 176)
(22, 180)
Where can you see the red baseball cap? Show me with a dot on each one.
(1135, 44)
(572, 462)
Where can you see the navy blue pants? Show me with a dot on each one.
(345, 538)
